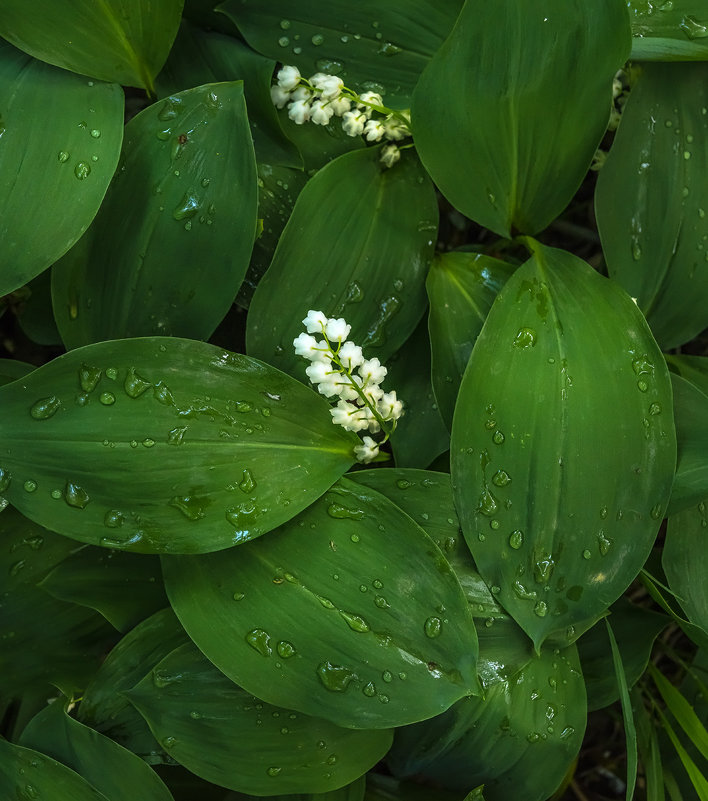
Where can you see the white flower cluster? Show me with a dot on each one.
(322, 97)
(339, 370)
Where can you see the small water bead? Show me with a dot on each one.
(387, 676)
(525, 338)
(433, 627)
(604, 544)
(355, 622)
(381, 602)
(56, 494)
(354, 538)
(107, 398)
(285, 649)
(29, 485)
(95, 133)
(642, 386)
(5, 479)
(377, 584)
(82, 170)
(501, 478)
(587, 554)
(498, 437)
(317, 39)
(239, 596)
(283, 41)
(516, 539)
(403, 483)
(273, 771)
(656, 512)
(148, 442)
(369, 689)
(655, 409)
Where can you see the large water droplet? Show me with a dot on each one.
(285, 649)
(340, 512)
(516, 539)
(45, 408)
(501, 478)
(432, 627)
(355, 622)
(335, 678)
(259, 640)
(191, 506)
(82, 170)
(525, 338)
(134, 385)
(89, 377)
(187, 207)
(487, 503)
(247, 484)
(75, 495)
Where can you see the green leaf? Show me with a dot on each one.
(649, 753)
(349, 612)
(685, 561)
(354, 261)
(227, 736)
(104, 706)
(56, 173)
(200, 57)
(505, 141)
(674, 31)
(635, 629)
(627, 715)
(27, 774)
(171, 243)
(35, 315)
(461, 289)
(682, 710)
(651, 200)
(564, 374)
(519, 740)
(371, 45)
(691, 630)
(11, 370)
(165, 445)
(125, 588)
(420, 435)
(692, 368)
(691, 416)
(118, 774)
(44, 641)
(126, 41)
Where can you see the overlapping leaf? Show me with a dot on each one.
(505, 141)
(224, 734)
(356, 258)
(563, 445)
(126, 41)
(54, 174)
(652, 200)
(165, 445)
(349, 612)
(170, 246)
(669, 31)
(691, 416)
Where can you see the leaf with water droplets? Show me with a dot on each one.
(47, 112)
(669, 30)
(225, 735)
(652, 200)
(377, 627)
(588, 465)
(174, 234)
(119, 774)
(519, 740)
(125, 41)
(199, 450)
(494, 156)
(373, 276)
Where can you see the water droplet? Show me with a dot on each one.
(369, 689)
(655, 409)
(656, 511)
(516, 539)
(148, 442)
(381, 602)
(259, 640)
(403, 483)
(693, 28)
(340, 512)
(543, 568)
(335, 678)
(62, 156)
(29, 485)
(273, 771)
(642, 386)
(170, 108)
(82, 170)
(45, 408)
(487, 503)
(239, 596)
(587, 554)
(285, 649)
(95, 133)
(317, 39)
(113, 519)
(187, 207)
(498, 437)
(354, 537)
(432, 627)
(533, 737)
(355, 622)
(501, 478)
(191, 506)
(283, 41)
(176, 435)
(107, 398)
(5, 479)
(388, 49)
(540, 609)
(247, 483)
(134, 385)
(525, 338)
(604, 544)
(284, 24)
(377, 584)
(75, 495)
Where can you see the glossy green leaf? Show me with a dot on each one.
(44, 641)
(371, 45)
(669, 31)
(505, 141)
(349, 612)
(353, 258)
(519, 741)
(691, 417)
(125, 588)
(54, 173)
(685, 561)
(224, 734)
(652, 198)
(564, 374)
(635, 629)
(200, 57)
(110, 768)
(165, 445)
(27, 774)
(461, 289)
(104, 706)
(12, 369)
(126, 41)
(627, 715)
(170, 246)
(320, 144)
(420, 435)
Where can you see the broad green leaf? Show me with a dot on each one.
(35, 315)
(11, 370)
(200, 57)
(627, 714)
(651, 200)
(691, 415)
(682, 710)
(564, 374)
(44, 641)
(420, 435)
(371, 45)
(171, 243)
(685, 561)
(669, 31)
(349, 612)
(519, 741)
(692, 368)
(126, 41)
(320, 144)
(165, 445)
(61, 137)
(125, 588)
(104, 706)
(27, 774)
(507, 143)
(461, 289)
(345, 253)
(224, 734)
(635, 629)
(118, 774)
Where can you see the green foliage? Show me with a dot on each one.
(229, 574)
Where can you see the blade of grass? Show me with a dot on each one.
(682, 711)
(698, 780)
(629, 728)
